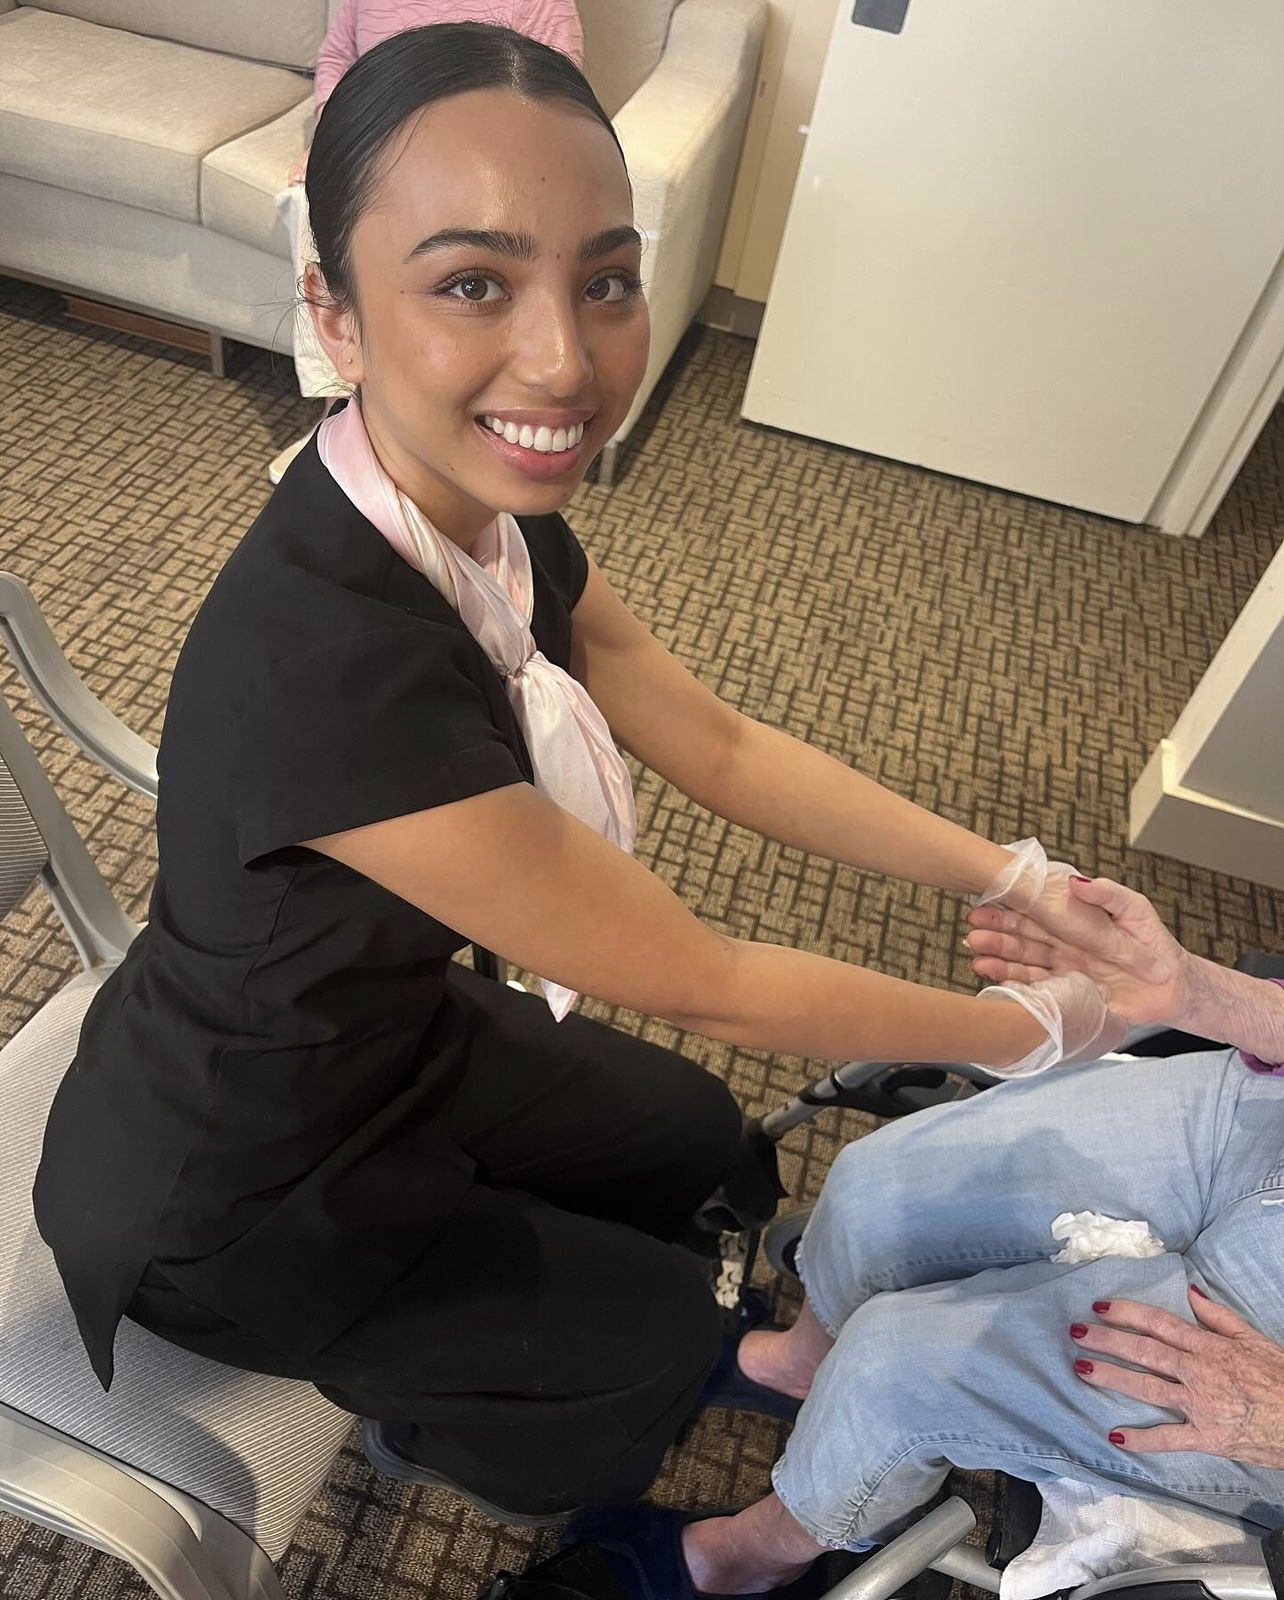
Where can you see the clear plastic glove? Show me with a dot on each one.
(1023, 880)
(1072, 1011)
(1040, 889)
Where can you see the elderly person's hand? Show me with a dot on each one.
(1224, 1378)
(1032, 888)
(1147, 976)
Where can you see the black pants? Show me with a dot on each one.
(547, 1346)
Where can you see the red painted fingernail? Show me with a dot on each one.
(1101, 1307)
(1078, 1330)
(1116, 1437)
(1083, 1368)
(1195, 1289)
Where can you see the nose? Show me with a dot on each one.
(552, 354)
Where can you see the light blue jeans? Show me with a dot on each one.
(928, 1260)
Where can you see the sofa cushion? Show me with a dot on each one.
(622, 44)
(284, 31)
(127, 118)
(241, 179)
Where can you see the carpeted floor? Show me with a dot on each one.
(1006, 662)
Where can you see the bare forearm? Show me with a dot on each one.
(514, 872)
(1246, 1012)
(786, 790)
(769, 997)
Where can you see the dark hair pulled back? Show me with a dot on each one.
(392, 83)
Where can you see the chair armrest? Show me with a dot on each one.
(682, 133)
(59, 689)
(54, 1481)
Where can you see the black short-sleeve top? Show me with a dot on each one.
(257, 1098)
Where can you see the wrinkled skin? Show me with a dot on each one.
(1222, 1376)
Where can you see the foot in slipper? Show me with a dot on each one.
(643, 1549)
(728, 1387)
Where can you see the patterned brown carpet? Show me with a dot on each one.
(1006, 662)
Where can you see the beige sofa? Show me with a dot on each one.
(142, 143)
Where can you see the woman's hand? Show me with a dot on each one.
(1224, 1377)
(1147, 977)
(1072, 1011)
(298, 172)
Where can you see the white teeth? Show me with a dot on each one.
(546, 440)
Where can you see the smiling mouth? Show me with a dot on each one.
(542, 440)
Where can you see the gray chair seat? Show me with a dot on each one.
(255, 1449)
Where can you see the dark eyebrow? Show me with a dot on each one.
(601, 244)
(520, 246)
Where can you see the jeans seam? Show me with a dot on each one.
(1274, 1179)
(800, 1267)
(997, 1256)
(976, 1259)
(869, 1286)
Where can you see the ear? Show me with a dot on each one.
(336, 326)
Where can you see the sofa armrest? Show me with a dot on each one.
(682, 133)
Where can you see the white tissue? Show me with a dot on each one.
(1089, 1236)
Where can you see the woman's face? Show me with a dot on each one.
(499, 331)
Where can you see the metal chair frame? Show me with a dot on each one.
(181, 1547)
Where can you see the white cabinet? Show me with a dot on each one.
(1038, 243)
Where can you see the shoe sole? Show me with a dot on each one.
(384, 1460)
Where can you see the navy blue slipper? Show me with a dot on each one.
(728, 1388)
(643, 1549)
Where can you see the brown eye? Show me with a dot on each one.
(612, 287)
(478, 288)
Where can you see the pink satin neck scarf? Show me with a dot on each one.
(572, 753)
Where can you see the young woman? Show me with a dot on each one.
(296, 1137)
(358, 26)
